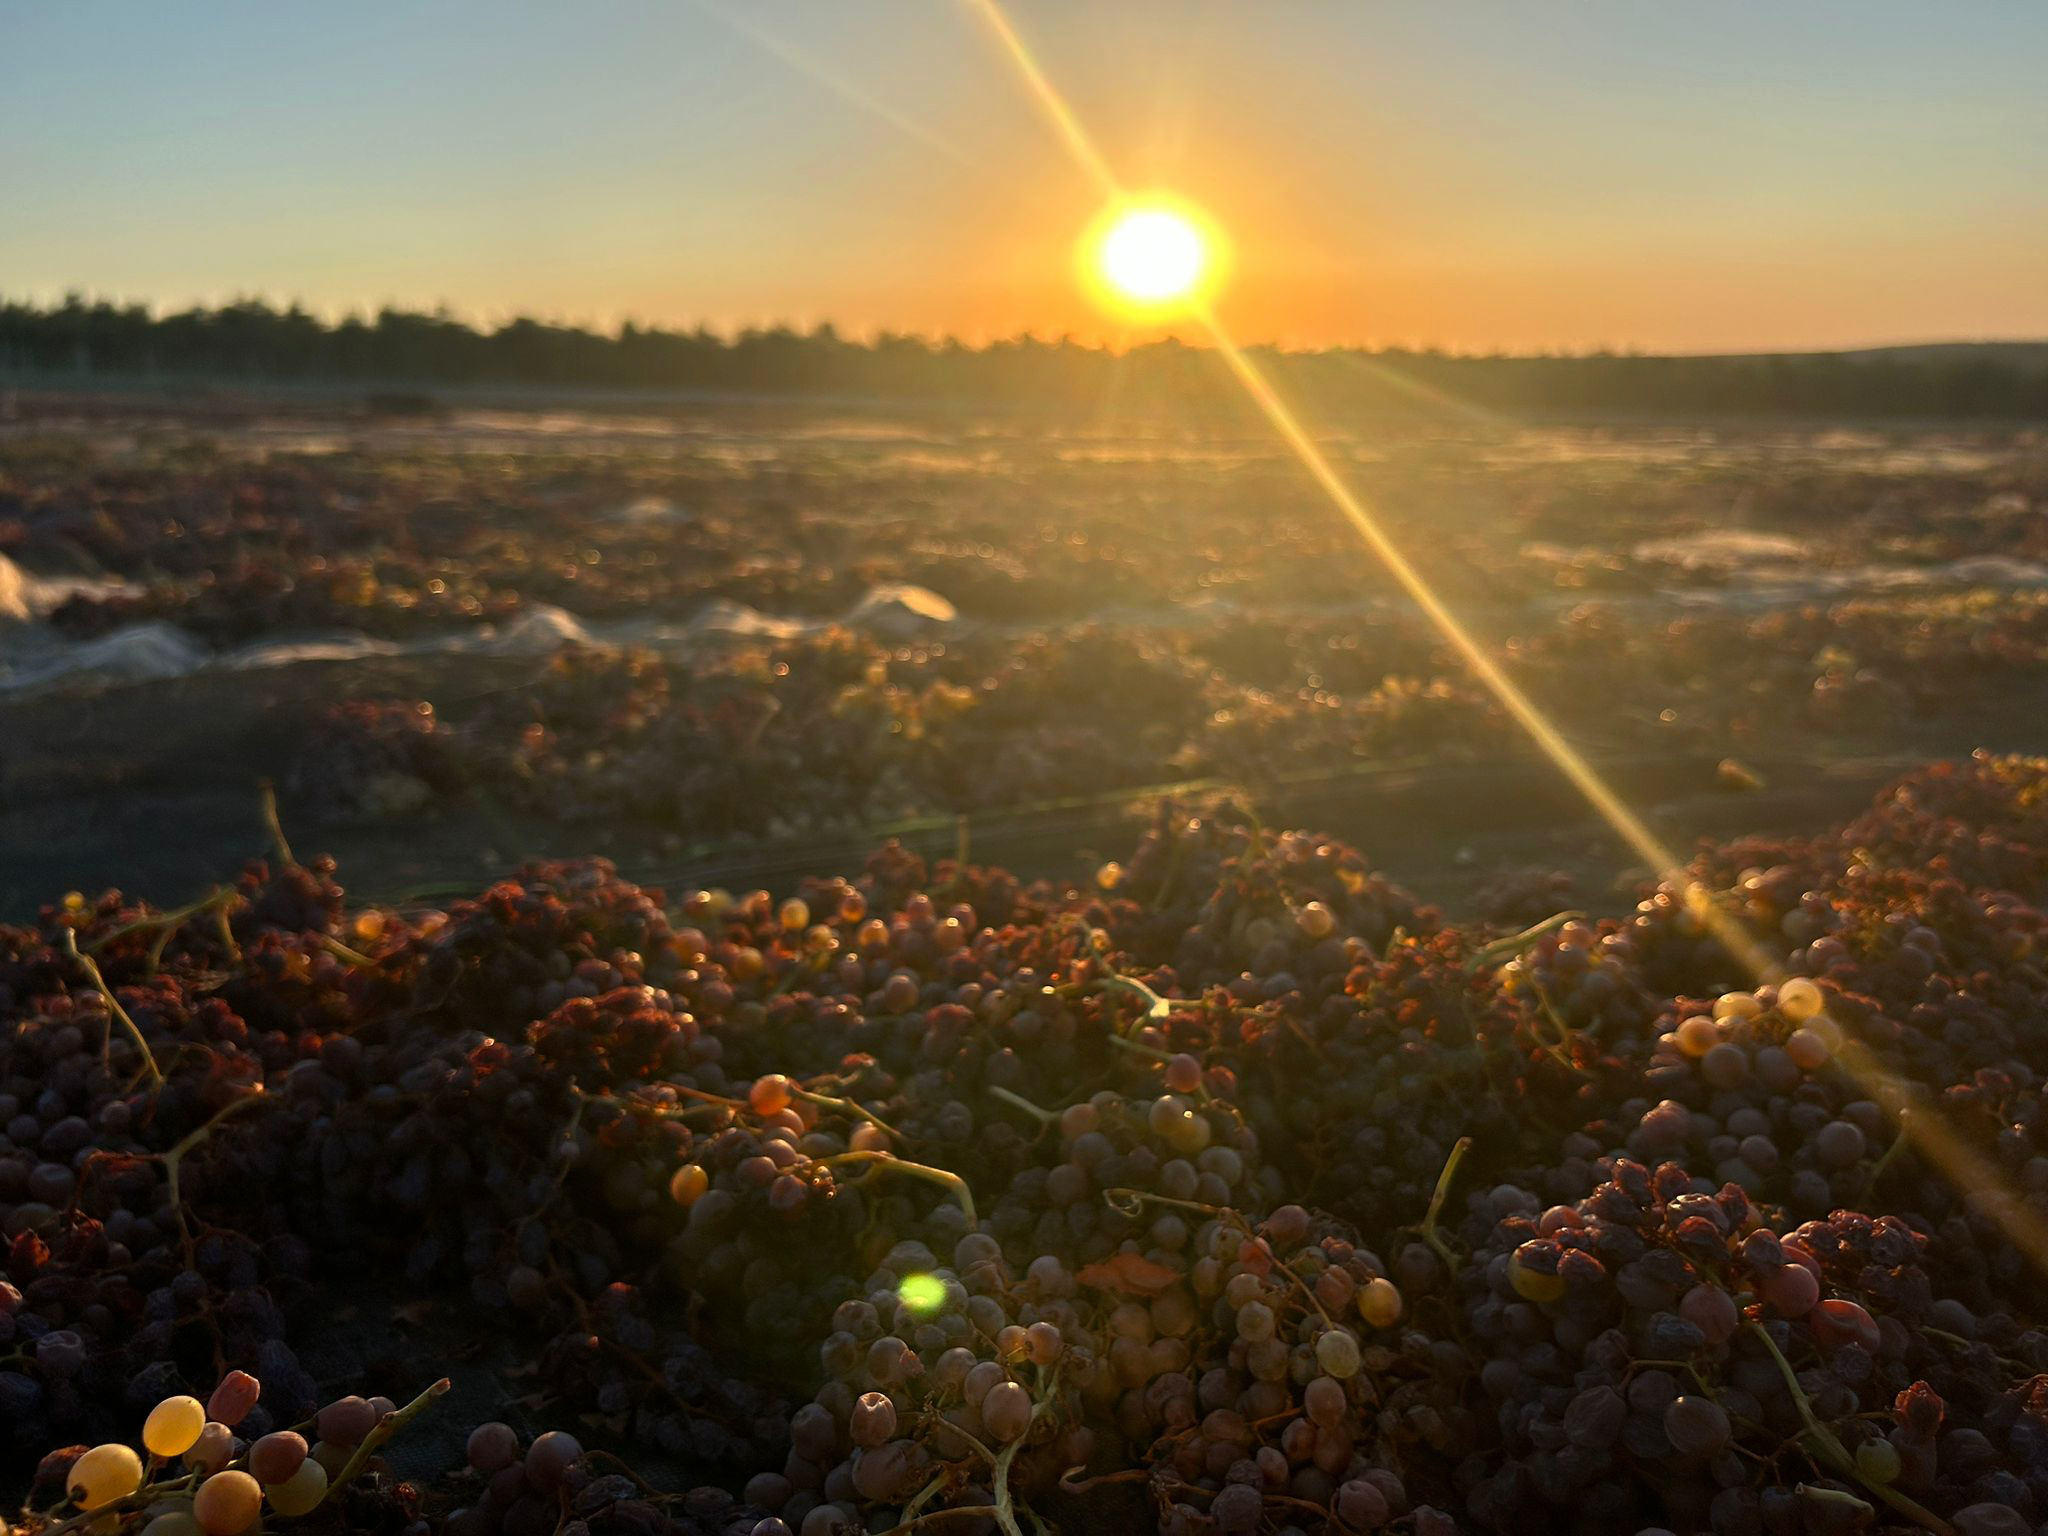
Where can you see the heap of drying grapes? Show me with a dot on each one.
(1235, 1192)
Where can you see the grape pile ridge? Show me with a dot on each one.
(1231, 1190)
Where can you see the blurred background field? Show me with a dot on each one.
(747, 639)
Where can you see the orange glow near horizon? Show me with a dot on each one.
(1966, 1168)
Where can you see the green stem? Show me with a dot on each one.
(1129, 1202)
(979, 1511)
(174, 1162)
(1833, 1451)
(388, 1426)
(1005, 1510)
(1505, 949)
(268, 792)
(1156, 1007)
(849, 1106)
(1436, 1203)
(164, 923)
(924, 1497)
(889, 1160)
(1018, 1101)
(92, 971)
(341, 951)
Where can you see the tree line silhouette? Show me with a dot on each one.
(251, 341)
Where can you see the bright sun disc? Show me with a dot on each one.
(1149, 255)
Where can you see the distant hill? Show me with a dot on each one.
(82, 345)
(2018, 354)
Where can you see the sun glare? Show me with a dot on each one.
(1150, 255)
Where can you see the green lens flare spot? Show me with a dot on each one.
(923, 1294)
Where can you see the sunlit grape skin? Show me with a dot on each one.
(103, 1475)
(227, 1503)
(173, 1426)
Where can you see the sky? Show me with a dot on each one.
(1473, 175)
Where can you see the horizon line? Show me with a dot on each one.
(483, 323)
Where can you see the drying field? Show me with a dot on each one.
(690, 641)
(1209, 1179)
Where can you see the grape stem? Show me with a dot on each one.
(1309, 1295)
(268, 794)
(387, 1426)
(1125, 1201)
(1832, 1449)
(174, 1162)
(1436, 1203)
(1005, 1511)
(150, 1069)
(889, 1160)
(1156, 1007)
(946, 1426)
(1018, 1101)
(164, 924)
(1090, 1484)
(342, 952)
(141, 1498)
(924, 1497)
(1556, 1049)
(851, 1107)
(979, 1511)
(1504, 949)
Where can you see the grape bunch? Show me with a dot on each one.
(1231, 1190)
(217, 1469)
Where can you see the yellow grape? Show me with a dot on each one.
(1799, 999)
(689, 1182)
(331, 1457)
(173, 1426)
(1697, 1035)
(1379, 1302)
(174, 1523)
(227, 1503)
(1737, 1005)
(103, 1474)
(302, 1492)
(1534, 1285)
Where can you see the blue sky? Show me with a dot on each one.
(1470, 175)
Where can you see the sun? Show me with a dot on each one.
(1149, 255)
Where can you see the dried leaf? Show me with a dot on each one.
(1129, 1274)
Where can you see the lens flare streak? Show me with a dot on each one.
(1970, 1172)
